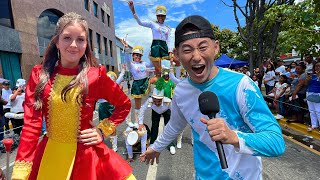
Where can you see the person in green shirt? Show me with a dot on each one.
(167, 84)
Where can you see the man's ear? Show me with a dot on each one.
(176, 54)
(217, 44)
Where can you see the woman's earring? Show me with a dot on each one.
(58, 54)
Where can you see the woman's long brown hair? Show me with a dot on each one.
(51, 58)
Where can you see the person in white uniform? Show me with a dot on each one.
(244, 125)
(161, 106)
(161, 47)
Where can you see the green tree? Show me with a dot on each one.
(300, 27)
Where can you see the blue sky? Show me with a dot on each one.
(125, 25)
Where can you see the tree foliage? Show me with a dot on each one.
(300, 26)
(231, 43)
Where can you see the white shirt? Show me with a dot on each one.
(5, 96)
(159, 31)
(281, 70)
(166, 104)
(268, 76)
(279, 88)
(17, 104)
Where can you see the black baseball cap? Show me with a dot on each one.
(6, 83)
(204, 26)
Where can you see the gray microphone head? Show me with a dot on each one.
(208, 103)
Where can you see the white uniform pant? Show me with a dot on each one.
(314, 109)
(143, 140)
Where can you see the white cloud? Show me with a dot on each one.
(137, 35)
(179, 3)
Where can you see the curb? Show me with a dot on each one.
(301, 128)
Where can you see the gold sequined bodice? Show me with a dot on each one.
(63, 117)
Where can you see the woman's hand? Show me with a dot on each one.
(124, 66)
(92, 136)
(124, 42)
(131, 6)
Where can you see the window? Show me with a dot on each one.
(86, 5)
(98, 43)
(90, 39)
(102, 15)
(95, 9)
(108, 17)
(46, 26)
(105, 41)
(6, 14)
(111, 49)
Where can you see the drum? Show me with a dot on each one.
(133, 138)
(14, 115)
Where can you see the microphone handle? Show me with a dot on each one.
(222, 156)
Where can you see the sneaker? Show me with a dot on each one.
(309, 129)
(278, 116)
(172, 150)
(179, 144)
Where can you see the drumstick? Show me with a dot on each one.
(141, 3)
(125, 38)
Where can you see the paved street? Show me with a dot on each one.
(297, 163)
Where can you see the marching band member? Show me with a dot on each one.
(160, 105)
(161, 37)
(64, 88)
(141, 81)
(139, 127)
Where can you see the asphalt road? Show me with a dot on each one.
(297, 162)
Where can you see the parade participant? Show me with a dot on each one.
(166, 84)
(64, 88)
(141, 81)
(160, 105)
(244, 125)
(161, 47)
(139, 127)
(16, 100)
(105, 108)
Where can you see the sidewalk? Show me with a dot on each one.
(300, 128)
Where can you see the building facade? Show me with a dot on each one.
(27, 26)
(120, 57)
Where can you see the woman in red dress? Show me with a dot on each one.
(64, 88)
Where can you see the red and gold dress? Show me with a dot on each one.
(58, 155)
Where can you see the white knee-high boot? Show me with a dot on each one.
(144, 143)
(114, 142)
(129, 150)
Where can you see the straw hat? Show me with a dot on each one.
(158, 94)
(137, 50)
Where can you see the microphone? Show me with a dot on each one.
(209, 105)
